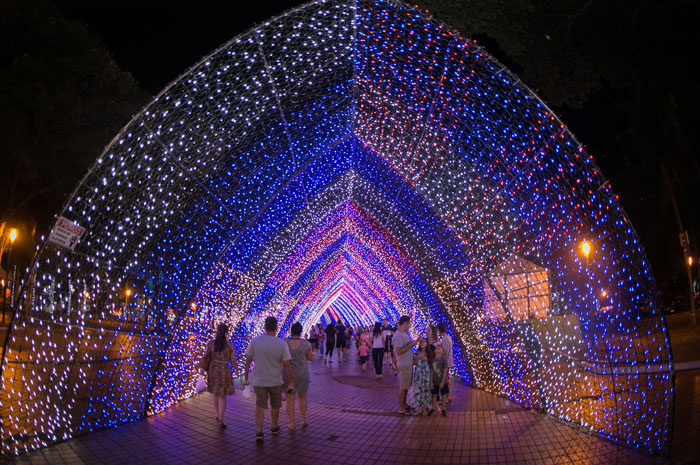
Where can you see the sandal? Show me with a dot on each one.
(304, 425)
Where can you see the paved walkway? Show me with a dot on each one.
(352, 420)
(686, 426)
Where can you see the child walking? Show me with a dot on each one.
(321, 336)
(421, 386)
(438, 380)
(363, 352)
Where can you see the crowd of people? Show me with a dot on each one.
(281, 366)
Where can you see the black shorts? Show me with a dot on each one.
(341, 344)
(364, 358)
(313, 340)
(444, 391)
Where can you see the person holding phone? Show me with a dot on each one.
(302, 353)
(404, 359)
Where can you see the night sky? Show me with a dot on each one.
(158, 40)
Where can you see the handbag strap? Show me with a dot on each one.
(208, 351)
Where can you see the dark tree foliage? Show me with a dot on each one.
(62, 100)
(621, 74)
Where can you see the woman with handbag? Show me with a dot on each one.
(301, 353)
(219, 353)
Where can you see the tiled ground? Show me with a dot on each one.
(351, 420)
(686, 425)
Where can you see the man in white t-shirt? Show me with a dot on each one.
(446, 342)
(404, 359)
(271, 355)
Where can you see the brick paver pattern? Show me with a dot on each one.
(352, 420)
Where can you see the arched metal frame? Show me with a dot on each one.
(356, 158)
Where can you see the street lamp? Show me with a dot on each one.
(586, 248)
(692, 291)
(126, 304)
(685, 244)
(12, 236)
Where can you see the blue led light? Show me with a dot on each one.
(354, 160)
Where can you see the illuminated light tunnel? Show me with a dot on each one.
(353, 159)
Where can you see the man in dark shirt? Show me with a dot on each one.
(341, 343)
(331, 331)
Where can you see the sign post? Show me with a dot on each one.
(66, 234)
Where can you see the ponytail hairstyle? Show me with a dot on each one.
(429, 352)
(220, 340)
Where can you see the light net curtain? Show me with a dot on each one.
(353, 159)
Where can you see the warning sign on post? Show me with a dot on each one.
(66, 233)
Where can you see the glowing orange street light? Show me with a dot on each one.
(690, 261)
(12, 235)
(127, 292)
(585, 248)
(604, 294)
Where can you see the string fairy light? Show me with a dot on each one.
(355, 160)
